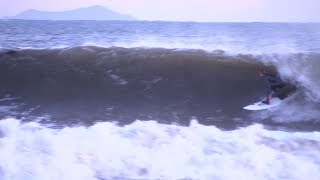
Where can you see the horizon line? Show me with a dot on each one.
(141, 20)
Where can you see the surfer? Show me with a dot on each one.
(274, 85)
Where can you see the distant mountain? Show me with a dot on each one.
(89, 13)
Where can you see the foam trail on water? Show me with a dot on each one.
(148, 150)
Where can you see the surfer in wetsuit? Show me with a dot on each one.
(274, 84)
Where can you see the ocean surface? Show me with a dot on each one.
(156, 100)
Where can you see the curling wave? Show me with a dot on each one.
(156, 83)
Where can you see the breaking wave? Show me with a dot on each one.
(148, 150)
(157, 83)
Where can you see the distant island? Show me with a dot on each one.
(89, 13)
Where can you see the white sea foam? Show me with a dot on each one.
(229, 44)
(226, 43)
(302, 69)
(148, 150)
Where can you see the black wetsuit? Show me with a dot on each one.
(274, 84)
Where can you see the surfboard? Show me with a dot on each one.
(261, 106)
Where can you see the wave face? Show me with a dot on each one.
(137, 83)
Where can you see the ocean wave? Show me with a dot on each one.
(158, 83)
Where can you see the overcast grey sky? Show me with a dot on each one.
(185, 10)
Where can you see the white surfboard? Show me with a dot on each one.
(260, 106)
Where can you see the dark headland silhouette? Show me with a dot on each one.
(88, 13)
